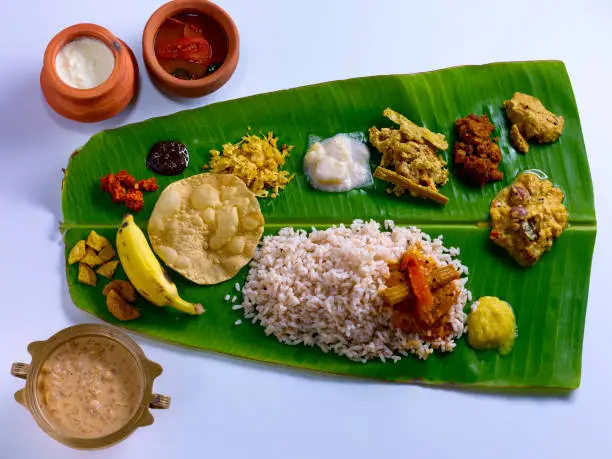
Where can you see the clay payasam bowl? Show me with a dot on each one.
(190, 88)
(101, 102)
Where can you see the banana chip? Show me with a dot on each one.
(206, 227)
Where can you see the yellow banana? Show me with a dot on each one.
(144, 270)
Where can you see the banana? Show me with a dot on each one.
(144, 270)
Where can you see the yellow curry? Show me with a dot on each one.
(527, 217)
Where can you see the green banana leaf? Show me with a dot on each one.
(549, 299)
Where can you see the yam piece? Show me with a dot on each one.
(91, 258)
(108, 269)
(107, 253)
(120, 308)
(77, 253)
(123, 288)
(87, 275)
(97, 242)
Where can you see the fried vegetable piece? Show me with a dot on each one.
(77, 253)
(107, 253)
(108, 269)
(415, 189)
(124, 288)
(531, 120)
(87, 275)
(97, 242)
(411, 152)
(91, 258)
(476, 156)
(120, 308)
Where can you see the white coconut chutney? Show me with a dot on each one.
(339, 163)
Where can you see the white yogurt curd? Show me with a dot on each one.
(85, 63)
(339, 163)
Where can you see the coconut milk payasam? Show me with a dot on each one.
(89, 386)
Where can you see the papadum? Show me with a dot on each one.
(206, 227)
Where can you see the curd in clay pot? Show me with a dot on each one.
(81, 81)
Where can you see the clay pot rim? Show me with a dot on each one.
(69, 34)
(204, 7)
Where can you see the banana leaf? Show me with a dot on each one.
(549, 299)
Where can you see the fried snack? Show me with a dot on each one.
(120, 308)
(77, 253)
(256, 161)
(107, 253)
(206, 227)
(531, 120)
(87, 275)
(411, 152)
(124, 288)
(476, 156)
(108, 269)
(91, 258)
(97, 242)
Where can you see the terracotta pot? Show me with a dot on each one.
(190, 88)
(95, 104)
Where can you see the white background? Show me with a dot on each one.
(224, 407)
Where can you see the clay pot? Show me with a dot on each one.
(95, 104)
(190, 88)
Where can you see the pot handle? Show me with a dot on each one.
(159, 402)
(20, 370)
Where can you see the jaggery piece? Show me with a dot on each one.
(124, 288)
(120, 308)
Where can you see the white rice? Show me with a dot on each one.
(323, 288)
(227, 297)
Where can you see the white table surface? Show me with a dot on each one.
(224, 407)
